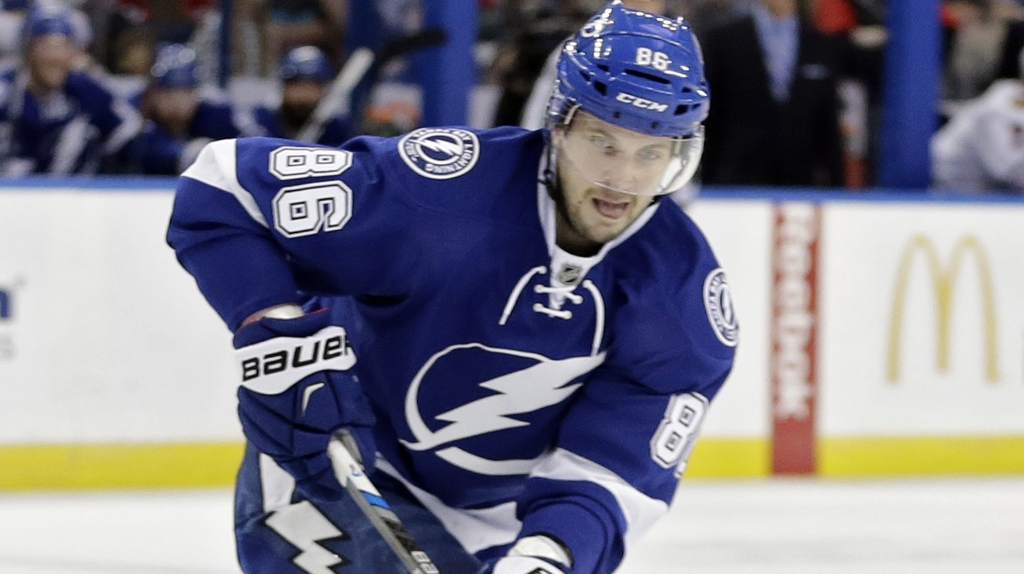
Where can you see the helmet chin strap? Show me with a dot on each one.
(550, 176)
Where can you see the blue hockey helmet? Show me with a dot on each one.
(305, 62)
(45, 22)
(175, 66)
(640, 72)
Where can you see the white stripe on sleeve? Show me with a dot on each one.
(639, 509)
(216, 167)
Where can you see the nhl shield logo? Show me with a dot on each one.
(440, 153)
(570, 274)
(718, 304)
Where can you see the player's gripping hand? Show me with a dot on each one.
(537, 554)
(295, 394)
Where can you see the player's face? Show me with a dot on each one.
(615, 157)
(302, 96)
(174, 105)
(50, 59)
(596, 162)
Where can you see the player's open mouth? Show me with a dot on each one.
(611, 209)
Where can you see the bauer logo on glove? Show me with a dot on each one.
(295, 394)
(272, 366)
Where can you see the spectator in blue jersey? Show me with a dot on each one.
(179, 119)
(519, 331)
(305, 74)
(54, 119)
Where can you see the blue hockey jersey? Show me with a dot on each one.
(518, 388)
(70, 132)
(155, 151)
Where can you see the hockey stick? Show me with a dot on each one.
(362, 63)
(344, 456)
(338, 94)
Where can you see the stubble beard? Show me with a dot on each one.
(585, 238)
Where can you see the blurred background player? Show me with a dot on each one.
(180, 119)
(54, 118)
(981, 148)
(12, 18)
(305, 74)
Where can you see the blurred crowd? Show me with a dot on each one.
(797, 87)
(128, 87)
(796, 84)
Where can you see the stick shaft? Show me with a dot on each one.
(338, 95)
(350, 474)
(361, 63)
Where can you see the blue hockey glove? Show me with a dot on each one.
(295, 394)
(537, 554)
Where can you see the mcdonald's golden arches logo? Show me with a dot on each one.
(943, 280)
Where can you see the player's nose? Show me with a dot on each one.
(621, 176)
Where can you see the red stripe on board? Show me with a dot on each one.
(794, 333)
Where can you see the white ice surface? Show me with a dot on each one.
(776, 526)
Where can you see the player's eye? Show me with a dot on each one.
(603, 144)
(648, 156)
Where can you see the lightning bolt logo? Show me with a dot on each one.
(449, 148)
(543, 384)
(303, 526)
(454, 152)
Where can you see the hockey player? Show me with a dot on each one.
(179, 119)
(522, 338)
(305, 74)
(981, 148)
(54, 119)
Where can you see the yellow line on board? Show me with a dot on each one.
(187, 465)
(88, 466)
(729, 458)
(887, 456)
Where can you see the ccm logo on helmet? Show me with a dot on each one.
(641, 102)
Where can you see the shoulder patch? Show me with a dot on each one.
(440, 153)
(718, 304)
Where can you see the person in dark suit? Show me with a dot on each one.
(1013, 45)
(775, 120)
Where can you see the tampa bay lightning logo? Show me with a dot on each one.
(440, 153)
(525, 383)
(718, 304)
